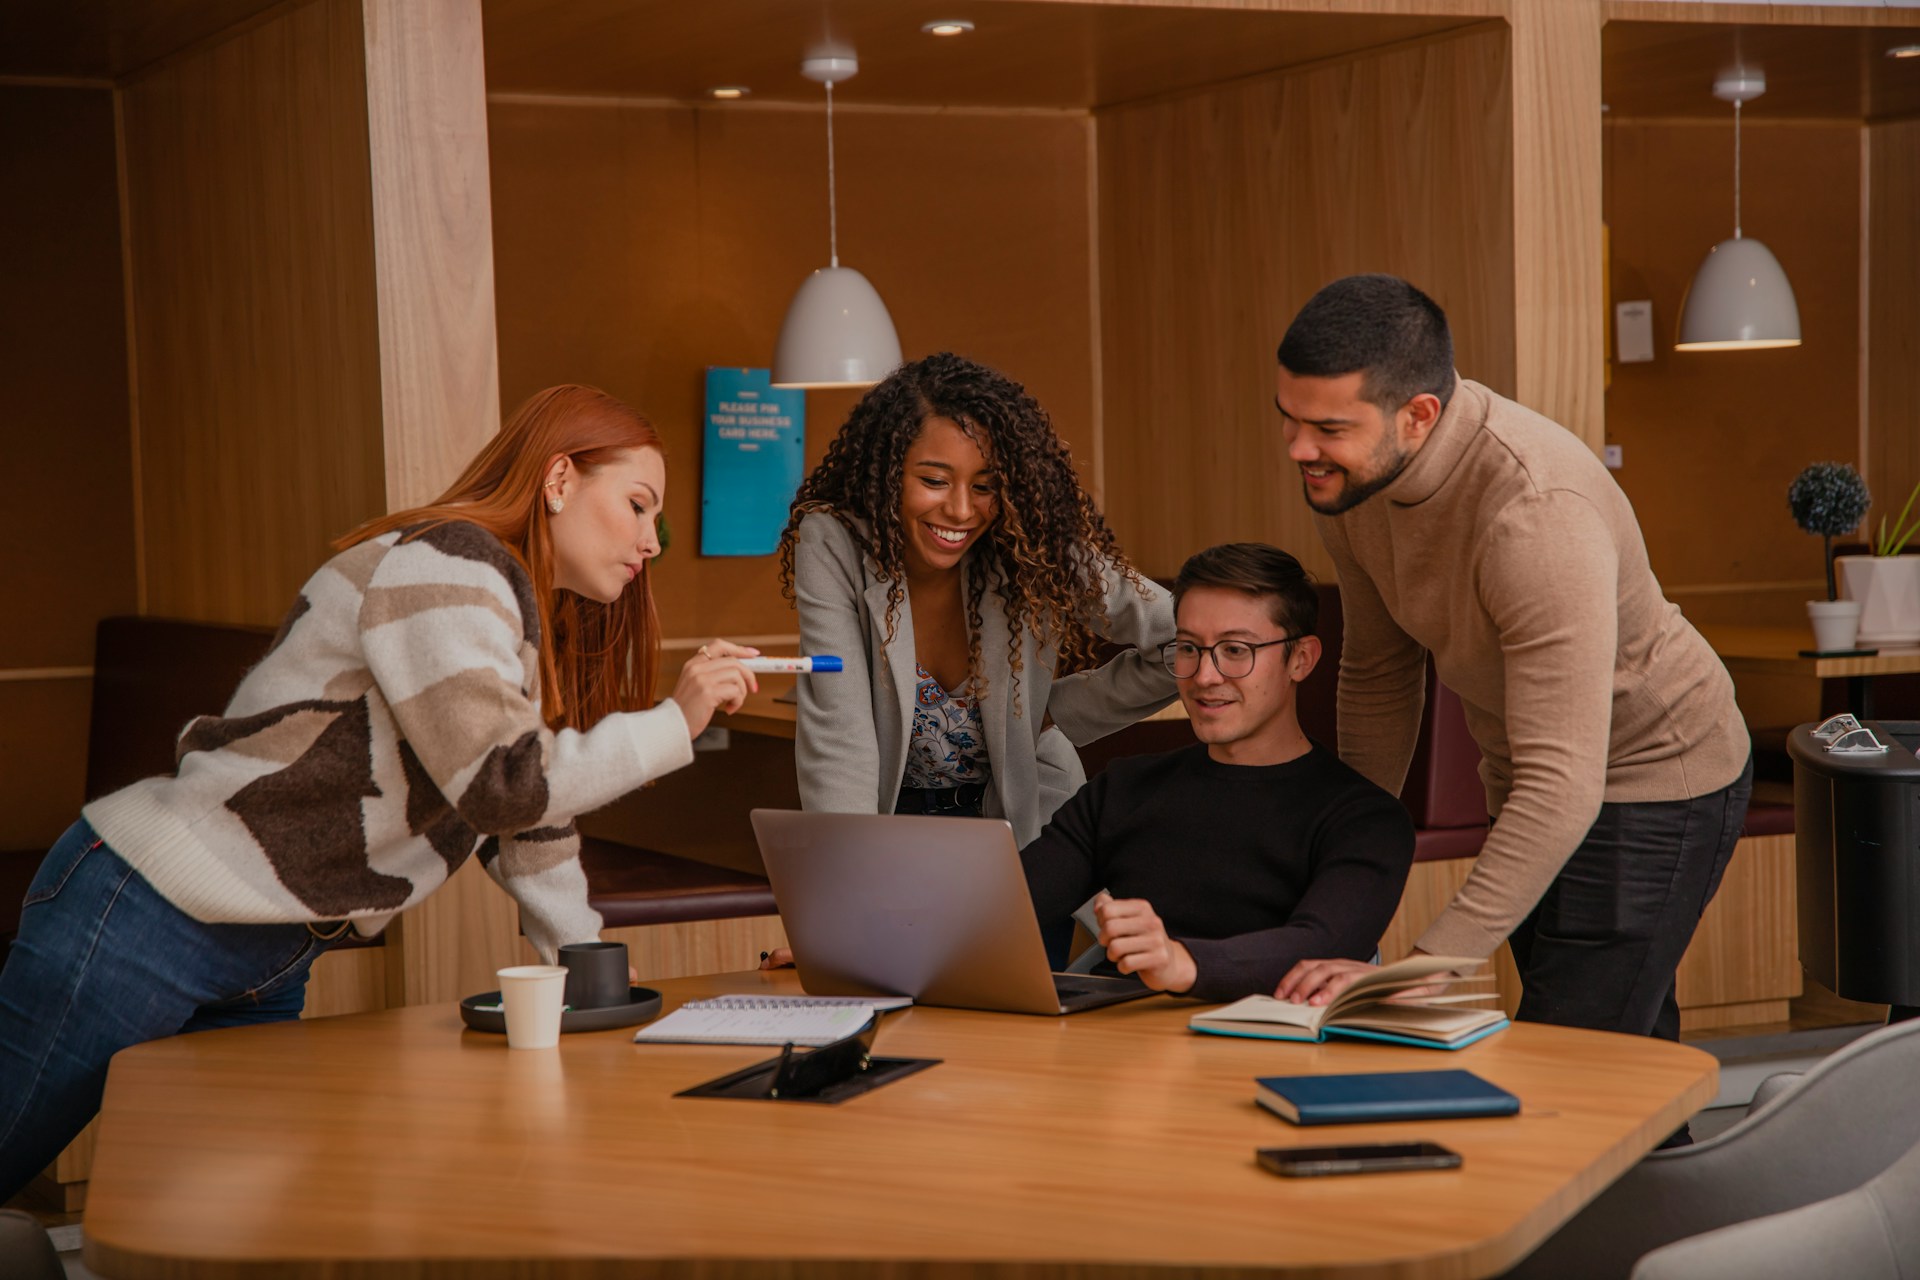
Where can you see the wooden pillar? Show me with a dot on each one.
(1559, 294)
(439, 373)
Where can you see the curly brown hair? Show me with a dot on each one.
(1045, 553)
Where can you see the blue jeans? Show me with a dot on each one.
(103, 962)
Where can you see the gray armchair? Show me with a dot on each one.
(1840, 1124)
(1869, 1233)
(25, 1251)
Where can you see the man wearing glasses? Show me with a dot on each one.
(1219, 866)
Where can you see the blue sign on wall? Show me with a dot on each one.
(753, 461)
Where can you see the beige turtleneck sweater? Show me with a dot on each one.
(1507, 551)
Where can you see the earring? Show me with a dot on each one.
(554, 505)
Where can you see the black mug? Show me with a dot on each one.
(596, 974)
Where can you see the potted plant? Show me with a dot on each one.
(1887, 584)
(1830, 499)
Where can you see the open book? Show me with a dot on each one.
(766, 1019)
(1369, 1009)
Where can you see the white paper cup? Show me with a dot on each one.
(533, 995)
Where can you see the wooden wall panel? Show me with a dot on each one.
(1222, 212)
(1558, 295)
(636, 244)
(1893, 313)
(255, 324)
(64, 447)
(63, 377)
(1711, 440)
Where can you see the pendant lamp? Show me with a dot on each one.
(1739, 299)
(837, 332)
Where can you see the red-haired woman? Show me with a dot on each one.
(463, 677)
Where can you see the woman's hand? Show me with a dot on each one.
(714, 679)
(778, 958)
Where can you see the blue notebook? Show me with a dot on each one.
(1383, 1095)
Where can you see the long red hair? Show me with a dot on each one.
(594, 658)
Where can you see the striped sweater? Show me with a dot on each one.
(393, 728)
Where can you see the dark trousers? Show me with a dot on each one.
(1601, 948)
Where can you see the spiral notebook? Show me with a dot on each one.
(801, 1020)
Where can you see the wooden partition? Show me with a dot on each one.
(63, 448)
(1892, 423)
(257, 401)
(1222, 211)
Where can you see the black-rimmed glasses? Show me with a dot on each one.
(1231, 658)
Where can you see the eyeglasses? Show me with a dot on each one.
(1231, 658)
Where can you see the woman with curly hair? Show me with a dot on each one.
(945, 550)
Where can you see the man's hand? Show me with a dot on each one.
(1318, 981)
(1137, 942)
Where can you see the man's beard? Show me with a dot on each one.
(1389, 461)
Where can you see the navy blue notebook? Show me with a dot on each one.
(1383, 1095)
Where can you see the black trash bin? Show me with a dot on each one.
(1857, 836)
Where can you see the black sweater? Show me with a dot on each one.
(1252, 867)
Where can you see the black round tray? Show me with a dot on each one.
(642, 1004)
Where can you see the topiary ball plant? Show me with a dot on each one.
(1830, 499)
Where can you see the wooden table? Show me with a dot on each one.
(1775, 651)
(1108, 1144)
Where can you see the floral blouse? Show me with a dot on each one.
(948, 748)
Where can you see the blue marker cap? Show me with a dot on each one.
(823, 663)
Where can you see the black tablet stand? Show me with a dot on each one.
(832, 1073)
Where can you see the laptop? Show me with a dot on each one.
(929, 907)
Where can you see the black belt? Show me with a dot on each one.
(967, 795)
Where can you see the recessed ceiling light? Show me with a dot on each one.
(1904, 51)
(947, 27)
(728, 92)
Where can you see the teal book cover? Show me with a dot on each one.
(1383, 1095)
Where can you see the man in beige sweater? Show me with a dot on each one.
(1615, 761)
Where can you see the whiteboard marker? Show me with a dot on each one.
(791, 666)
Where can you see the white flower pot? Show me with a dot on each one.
(1834, 624)
(1888, 589)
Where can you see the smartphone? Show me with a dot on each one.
(1361, 1157)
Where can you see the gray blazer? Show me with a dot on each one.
(854, 728)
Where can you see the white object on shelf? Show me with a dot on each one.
(1633, 331)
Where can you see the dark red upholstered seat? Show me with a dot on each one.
(631, 886)
(1768, 820)
(1435, 844)
(1443, 792)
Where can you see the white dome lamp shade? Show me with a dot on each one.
(1740, 299)
(838, 332)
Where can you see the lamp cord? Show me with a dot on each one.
(1736, 167)
(833, 209)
